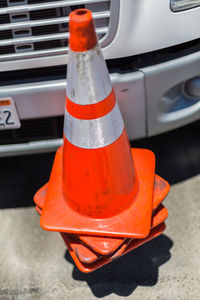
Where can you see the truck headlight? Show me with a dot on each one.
(178, 5)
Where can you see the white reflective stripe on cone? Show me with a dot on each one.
(95, 133)
(88, 80)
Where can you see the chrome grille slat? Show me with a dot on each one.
(48, 5)
(39, 53)
(42, 38)
(21, 25)
(35, 30)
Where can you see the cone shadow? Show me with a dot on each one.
(138, 268)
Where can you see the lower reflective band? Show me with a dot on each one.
(96, 133)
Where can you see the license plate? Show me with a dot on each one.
(9, 118)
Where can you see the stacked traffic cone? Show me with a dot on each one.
(103, 197)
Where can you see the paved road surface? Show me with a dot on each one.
(34, 264)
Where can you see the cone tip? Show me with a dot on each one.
(82, 31)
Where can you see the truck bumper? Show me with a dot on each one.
(152, 101)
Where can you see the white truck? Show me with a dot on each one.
(152, 49)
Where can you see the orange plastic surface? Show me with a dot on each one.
(99, 183)
(91, 111)
(84, 254)
(87, 256)
(159, 216)
(136, 243)
(87, 268)
(82, 31)
(106, 245)
(40, 196)
(133, 222)
(162, 187)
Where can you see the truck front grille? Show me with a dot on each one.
(36, 28)
(33, 130)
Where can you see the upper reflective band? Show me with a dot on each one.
(88, 80)
(97, 133)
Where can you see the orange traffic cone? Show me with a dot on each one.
(94, 187)
(100, 192)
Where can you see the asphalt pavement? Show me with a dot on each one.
(34, 264)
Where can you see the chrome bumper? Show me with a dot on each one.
(30, 148)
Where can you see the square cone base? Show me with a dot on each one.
(88, 261)
(134, 222)
(86, 256)
(135, 243)
(106, 245)
(91, 251)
